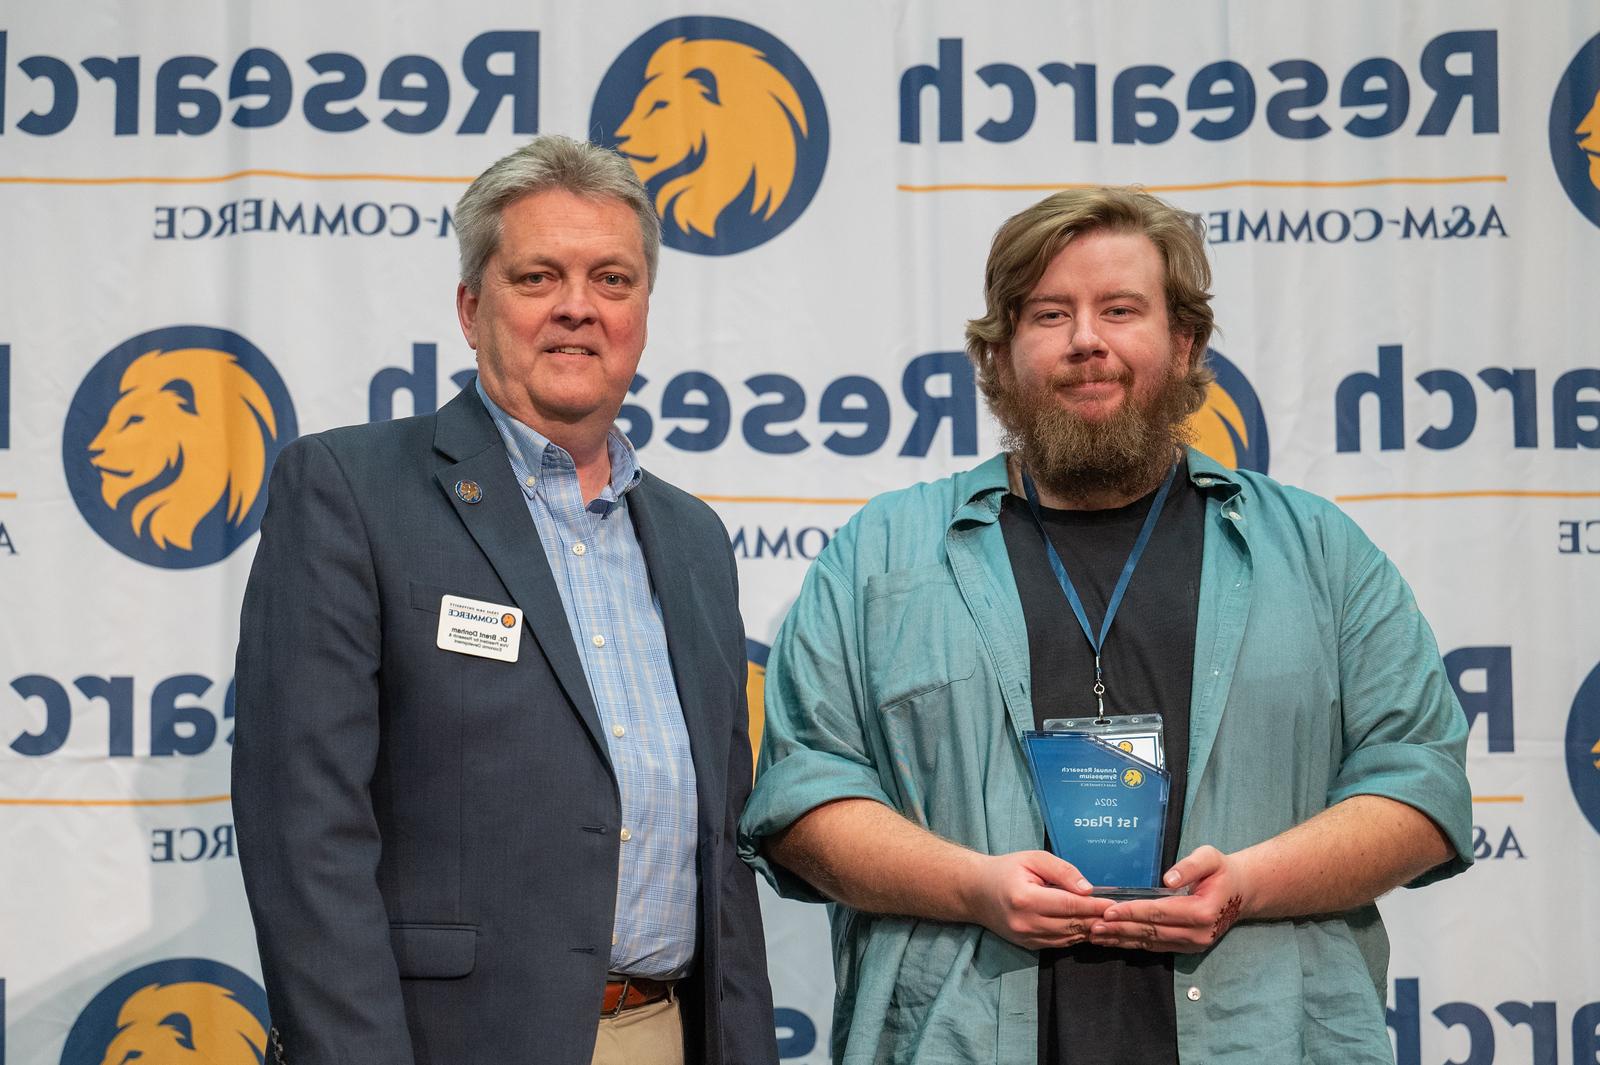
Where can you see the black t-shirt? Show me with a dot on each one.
(1098, 1005)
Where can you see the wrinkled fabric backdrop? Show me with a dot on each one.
(222, 226)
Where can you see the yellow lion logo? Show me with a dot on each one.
(755, 693)
(1132, 777)
(189, 1023)
(195, 410)
(1588, 134)
(1210, 425)
(723, 104)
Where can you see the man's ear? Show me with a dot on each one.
(467, 314)
(1184, 344)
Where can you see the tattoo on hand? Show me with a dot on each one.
(1225, 919)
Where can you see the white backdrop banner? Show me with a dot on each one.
(1403, 209)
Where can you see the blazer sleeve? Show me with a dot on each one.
(306, 739)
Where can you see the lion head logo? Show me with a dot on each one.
(186, 1024)
(1230, 427)
(177, 1011)
(723, 124)
(755, 690)
(722, 109)
(1574, 130)
(169, 440)
(195, 412)
(1588, 134)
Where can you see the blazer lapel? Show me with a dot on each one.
(500, 523)
(689, 631)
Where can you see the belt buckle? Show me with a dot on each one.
(622, 998)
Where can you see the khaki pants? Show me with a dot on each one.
(644, 1035)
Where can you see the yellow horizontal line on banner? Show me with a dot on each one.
(1497, 798)
(1483, 493)
(823, 501)
(198, 800)
(1207, 186)
(214, 179)
(8, 495)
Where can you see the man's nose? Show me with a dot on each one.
(1086, 340)
(576, 305)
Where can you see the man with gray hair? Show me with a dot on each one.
(1314, 746)
(491, 738)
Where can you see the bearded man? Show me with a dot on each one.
(1314, 745)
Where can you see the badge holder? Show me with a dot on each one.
(1104, 807)
(1141, 735)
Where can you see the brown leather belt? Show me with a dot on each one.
(633, 991)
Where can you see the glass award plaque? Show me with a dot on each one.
(1105, 810)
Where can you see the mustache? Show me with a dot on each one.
(1069, 378)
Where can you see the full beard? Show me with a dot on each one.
(1122, 456)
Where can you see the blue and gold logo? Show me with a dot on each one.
(169, 440)
(1583, 748)
(1231, 427)
(183, 1010)
(755, 689)
(724, 125)
(1575, 130)
(1132, 778)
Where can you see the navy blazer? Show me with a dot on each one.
(429, 840)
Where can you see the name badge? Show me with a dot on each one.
(473, 627)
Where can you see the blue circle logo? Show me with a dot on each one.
(182, 1009)
(1583, 748)
(1575, 130)
(1231, 427)
(169, 440)
(724, 125)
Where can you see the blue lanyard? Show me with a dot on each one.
(1097, 642)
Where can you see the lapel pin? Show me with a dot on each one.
(468, 491)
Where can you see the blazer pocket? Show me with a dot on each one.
(434, 951)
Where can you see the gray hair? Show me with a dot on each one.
(551, 161)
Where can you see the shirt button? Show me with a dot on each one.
(578, 549)
(613, 939)
(530, 480)
(1194, 994)
(618, 731)
(598, 640)
(626, 836)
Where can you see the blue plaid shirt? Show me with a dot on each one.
(615, 619)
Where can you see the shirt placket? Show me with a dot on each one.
(581, 531)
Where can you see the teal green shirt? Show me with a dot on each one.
(901, 675)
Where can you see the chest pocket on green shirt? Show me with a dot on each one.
(921, 645)
(919, 636)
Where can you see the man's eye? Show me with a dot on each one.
(535, 277)
(613, 280)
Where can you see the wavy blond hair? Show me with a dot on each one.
(1025, 245)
